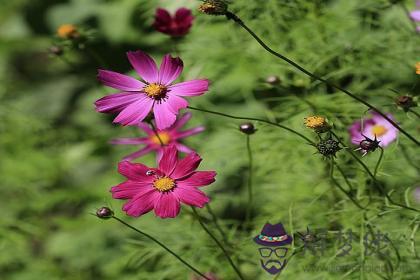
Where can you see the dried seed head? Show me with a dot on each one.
(317, 123)
(213, 7)
(328, 148)
(104, 213)
(247, 128)
(368, 145)
(405, 102)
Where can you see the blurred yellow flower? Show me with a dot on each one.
(318, 123)
(418, 68)
(67, 31)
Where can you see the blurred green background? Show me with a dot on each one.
(56, 165)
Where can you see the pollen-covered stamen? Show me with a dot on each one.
(164, 184)
(162, 138)
(155, 91)
(379, 130)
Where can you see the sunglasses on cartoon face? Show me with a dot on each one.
(266, 252)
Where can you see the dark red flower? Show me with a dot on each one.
(177, 25)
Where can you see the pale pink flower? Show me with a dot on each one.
(153, 142)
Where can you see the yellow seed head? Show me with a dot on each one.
(318, 123)
(67, 31)
(155, 91)
(213, 7)
(163, 136)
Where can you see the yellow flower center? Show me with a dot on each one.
(155, 91)
(161, 137)
(379, 130)
(66, 31)
(164, 184)
(418, 68)
(315, 122)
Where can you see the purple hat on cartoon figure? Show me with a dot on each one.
(273, 236)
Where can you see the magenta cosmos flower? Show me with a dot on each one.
(376, 126)
(157, 93)
(164, 188)
(165, 137)
(175, 26)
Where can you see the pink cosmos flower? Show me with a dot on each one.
(376, 126)
(154, 142)
(415, 15)
(164, 188)
(175, 26)
(157, 93)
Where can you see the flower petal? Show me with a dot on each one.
(128, 141)
(130, 189)
(183, 149)
(183, 16)
(119, 81)
(181, 121)
(191, 196)
(190, 88)
(167, 205)
(198, 179)
(169, 160)
(141, 204)
(135, 171)
(144, 65)
(146, 128)
(170, 69)
(190, 132)
(165, 112)
(115, 103)
(415, 15)
(186, 166)
(139, 153)
(135, 112)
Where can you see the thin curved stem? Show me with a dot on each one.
(414, 113)
(250, 192)
(238, 272)
(254, 119)
(163, 246)
(216, 223)
(236, 19)
(377, 184)
(355, 202)
(381, 155)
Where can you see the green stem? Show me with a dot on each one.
(377, 185)
(255, 119)
(156, 133)
(163, 246)
(355, 202)
(216, 223)
(250, 192)
(414, 113)
(238, 272)
(381, 154)
(235, 18)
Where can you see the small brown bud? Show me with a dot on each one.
(104, 213)
(247, 128)
(213, 7)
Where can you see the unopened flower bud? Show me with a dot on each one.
(55, 50)
(213, 7)
(328, 148)
(272, 80)
(104, 213)
(247, 128)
